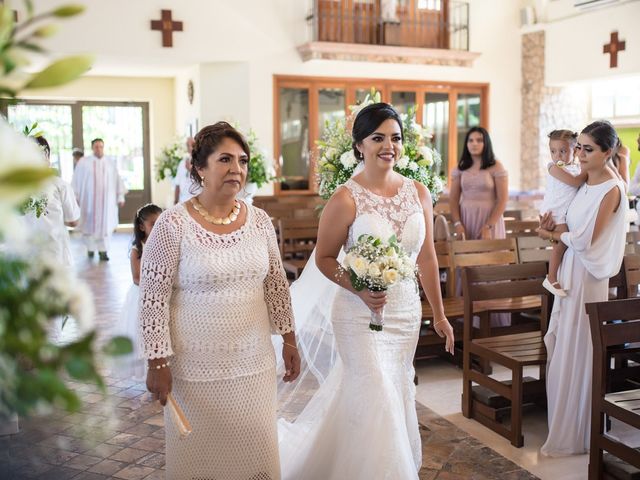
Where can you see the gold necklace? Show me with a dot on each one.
(232, 217)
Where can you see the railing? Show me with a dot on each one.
(408, 23)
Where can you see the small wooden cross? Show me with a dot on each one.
(167, 26)
(612, 48)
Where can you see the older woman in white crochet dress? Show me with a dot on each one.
(212, 291)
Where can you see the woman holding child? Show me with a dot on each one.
(595, 239)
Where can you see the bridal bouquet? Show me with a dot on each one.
(377, 264)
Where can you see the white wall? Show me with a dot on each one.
(240, 45)
(574, 44)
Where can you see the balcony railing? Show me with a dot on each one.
(440, 24)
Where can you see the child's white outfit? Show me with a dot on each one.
(559, 195)
(133, 365)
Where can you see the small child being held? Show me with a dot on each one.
(134, 365)
(563, 180)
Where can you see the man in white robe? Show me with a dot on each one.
(100, 191)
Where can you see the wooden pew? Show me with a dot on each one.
(298, 238)
(514, 351)
(533, 249)
(623, 406)
(521, 228)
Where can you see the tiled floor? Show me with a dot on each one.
(120, 435)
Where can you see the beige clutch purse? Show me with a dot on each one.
(177, 415)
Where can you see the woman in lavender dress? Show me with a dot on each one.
(479, 190)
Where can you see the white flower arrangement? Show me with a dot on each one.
(336, 160)
(169, 159)
(262, 168)
(376, 264)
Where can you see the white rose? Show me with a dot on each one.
(348, 159)
(348, 259)
(413, 166)
(390, 276)
(360, 266)
(403, 162)
(330, 152)
(427, 155)
(81, 307)
(374, 270)
(167, 172)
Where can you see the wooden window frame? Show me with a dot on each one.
(386, 86)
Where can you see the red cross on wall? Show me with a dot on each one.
(612, 48)
(167, 26)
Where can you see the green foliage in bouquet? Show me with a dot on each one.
(169, 159)
(336, 160)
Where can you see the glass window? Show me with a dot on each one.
(403, 101)
(435, 118)
(468, 115)
(121, 128)
(294, 138)
(54, 121)
(331, 106)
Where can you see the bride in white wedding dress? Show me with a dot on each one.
(362, 422)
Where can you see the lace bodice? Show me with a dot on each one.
(212, 300)
(401, 215)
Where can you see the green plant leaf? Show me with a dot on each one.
(79, 367)
(61, 72)
(118, 346)
(26, 176)
(45, 31)
(68, 11)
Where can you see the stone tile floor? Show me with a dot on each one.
(120, 434)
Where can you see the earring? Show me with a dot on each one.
(202, 181)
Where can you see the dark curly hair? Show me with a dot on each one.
(206, 142)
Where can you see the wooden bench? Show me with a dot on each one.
(521, 228)
(504, 283)
(298, 238)
(612, 324)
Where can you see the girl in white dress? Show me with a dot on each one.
(595, 247)
(563, 179)
(362, 422)
(134, 365)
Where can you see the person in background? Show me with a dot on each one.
(62, 211)
(77, 154)
(100, 191)
(185, 188)
(479, 190)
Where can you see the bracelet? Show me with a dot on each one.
(292, 346)
(456, 223)
(488, 227)
(442, 320)
(162, 365)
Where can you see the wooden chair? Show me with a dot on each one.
(631, 267)
(297, 240)
(623, 406)
(521, 228)
(514, 214)
(533, 249)
(504, 283)
(633, 243)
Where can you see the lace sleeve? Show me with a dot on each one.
(159, 264)
(276, 287)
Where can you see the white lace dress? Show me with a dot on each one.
(362, 422)
(211, 302)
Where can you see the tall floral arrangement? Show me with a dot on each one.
(169, 158)
(261, 166)
(35, 291)
(336, 161)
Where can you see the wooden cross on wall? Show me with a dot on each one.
(167, 26)
(612, 48)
